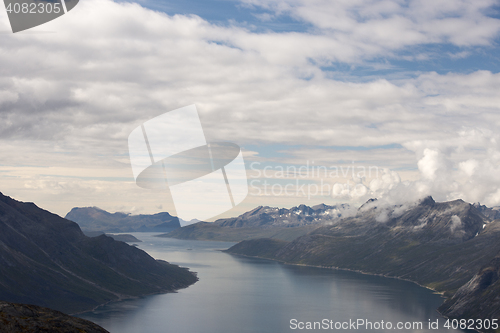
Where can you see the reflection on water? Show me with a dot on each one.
(238, 294)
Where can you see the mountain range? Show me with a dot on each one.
(451, 247)
(46, 260)
(92, 219)
(264, 221)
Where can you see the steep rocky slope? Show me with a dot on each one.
(47, 261)
(479, 297)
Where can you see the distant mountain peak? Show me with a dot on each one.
(320, 206)
(427, 201)
(255, 210)
(301, 215)
(369, 204)
(97, 219)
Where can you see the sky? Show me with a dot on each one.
(330, 101)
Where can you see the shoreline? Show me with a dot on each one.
(126, 298)
(342, 269)
(355, 271)
(122, 297)
(304, 265)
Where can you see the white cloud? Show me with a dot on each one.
(134, 64)
(69, 98)
(429, 164)
(466, 166)
(456, 223)
(379, 27)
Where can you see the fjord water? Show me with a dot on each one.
(239, 294)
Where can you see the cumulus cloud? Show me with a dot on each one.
(465, 166)
(382, 27)
(456, 223)
(134, 64)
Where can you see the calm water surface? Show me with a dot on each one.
(238, 294)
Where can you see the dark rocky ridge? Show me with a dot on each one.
(21, 318)
(47, 261)
(492, 213)
(127, 238)
(96, 219)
